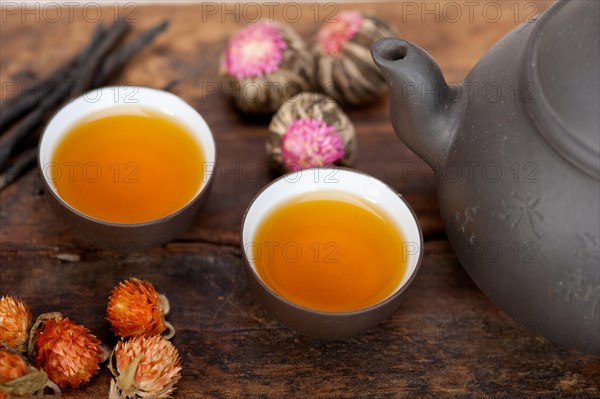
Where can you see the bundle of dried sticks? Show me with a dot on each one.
(23, 116)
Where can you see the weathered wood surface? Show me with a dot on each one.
(446, 340)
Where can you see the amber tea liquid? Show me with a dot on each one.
(131, 166)
(332, 252)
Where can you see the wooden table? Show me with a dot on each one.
(446, 340)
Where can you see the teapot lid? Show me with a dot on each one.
(562, 78)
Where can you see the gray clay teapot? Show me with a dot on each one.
(516, 151)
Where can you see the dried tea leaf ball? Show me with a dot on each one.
(344, 67)
(263, 65)
(310, 130)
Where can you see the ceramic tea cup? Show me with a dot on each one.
(331, 324)
(120, 99)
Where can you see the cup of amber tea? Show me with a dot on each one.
(330, 251)
(127, 167)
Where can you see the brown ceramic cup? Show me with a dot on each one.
(316, 323)
(125, 236)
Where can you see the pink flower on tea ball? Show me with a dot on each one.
(310, 142)
(334, 34)
(344, 68)
(255, 51)
(263, 65)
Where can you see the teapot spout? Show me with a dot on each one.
(422, 109)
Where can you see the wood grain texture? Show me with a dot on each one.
(446, 340)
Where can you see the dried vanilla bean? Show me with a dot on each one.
(18, 106)
(98, 63)
(77, 82)
(19, 167)
(119, 58)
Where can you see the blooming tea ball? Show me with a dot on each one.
(263, 65)
(344, 67)
(310, 130)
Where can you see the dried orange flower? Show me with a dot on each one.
(18, 379)
(145, 367)
(15, 322)
(68, 352)
(135, 309)
(12, 366)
